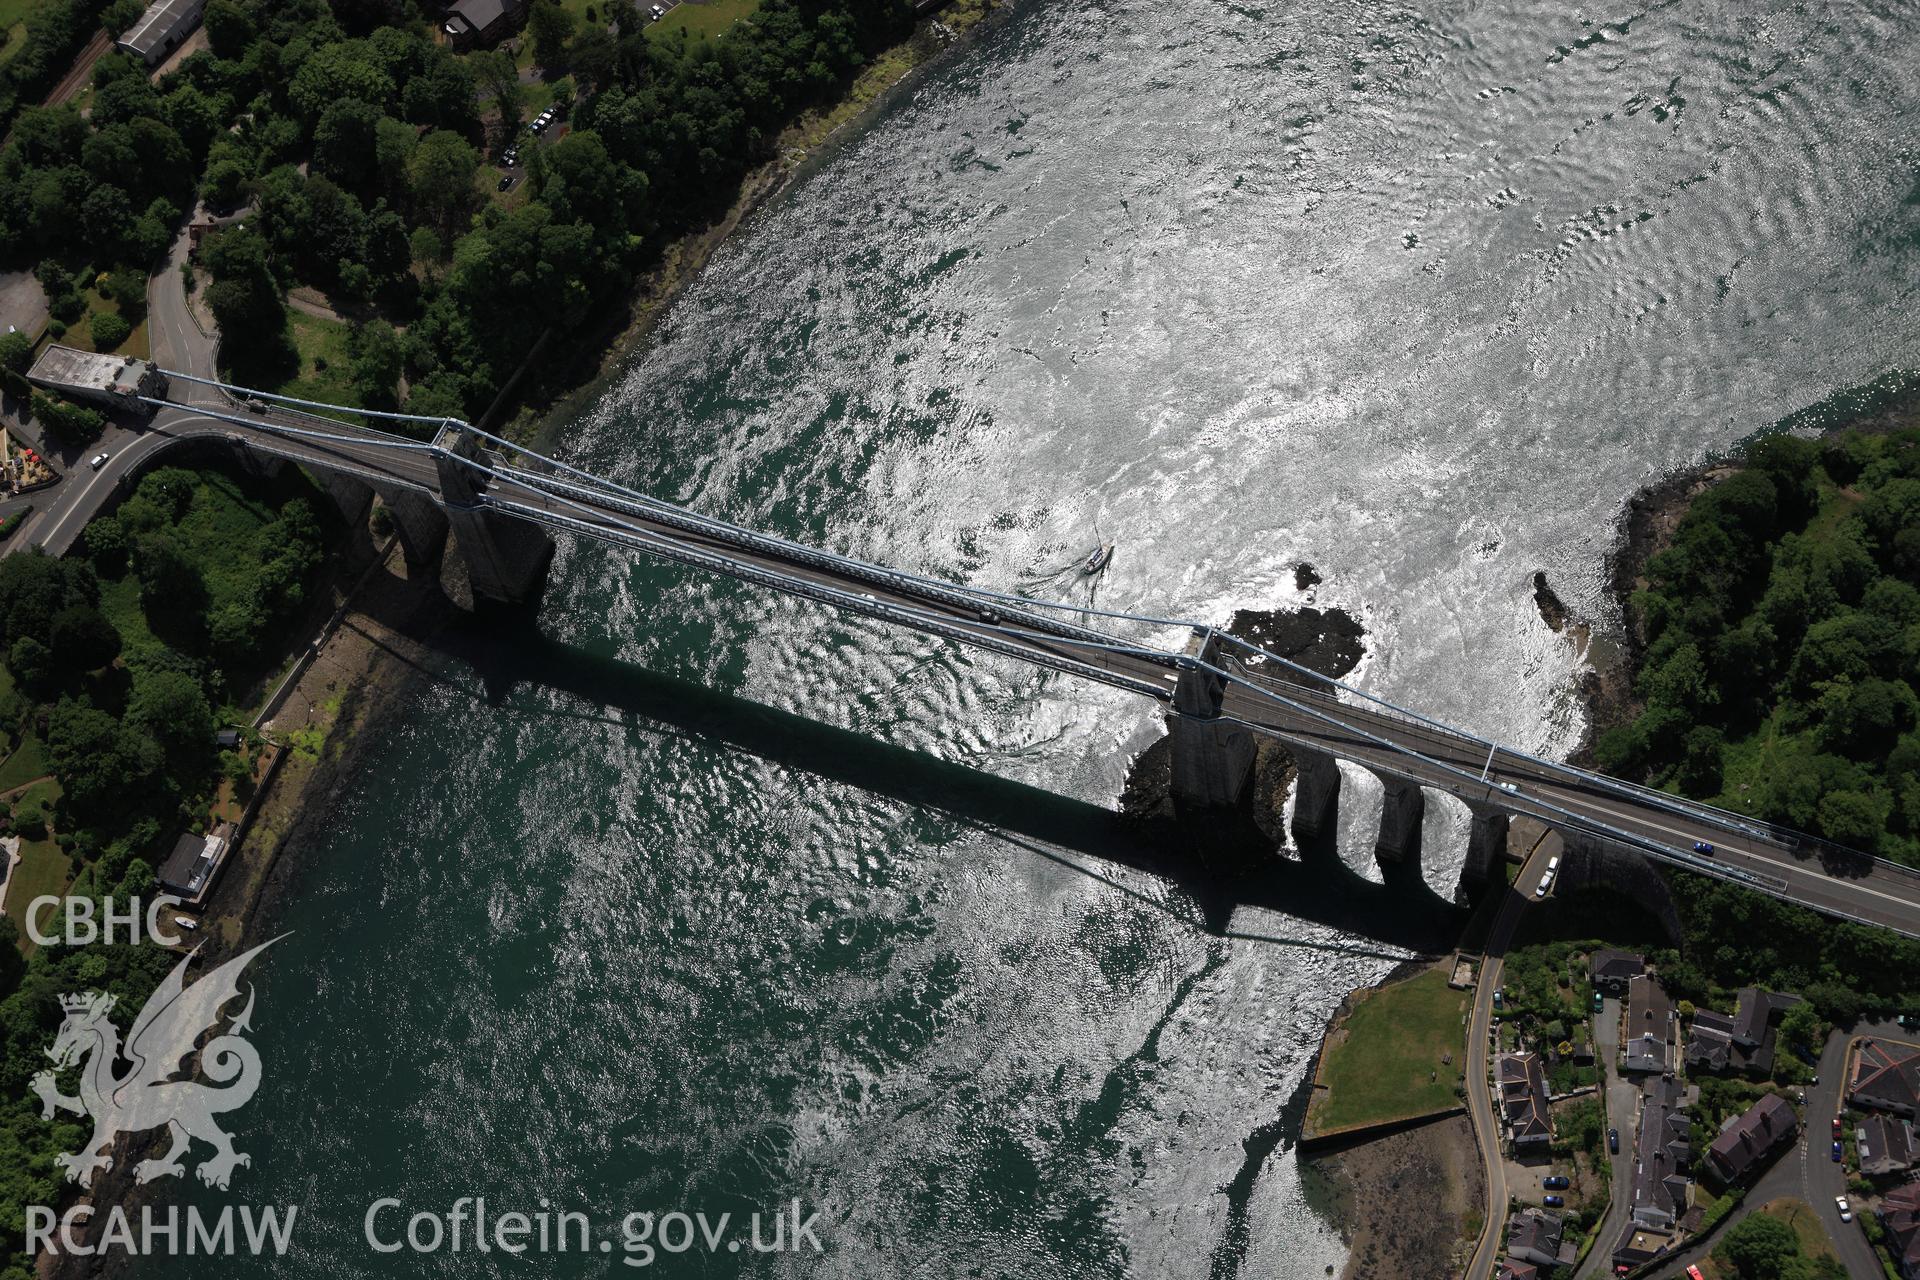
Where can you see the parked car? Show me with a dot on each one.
(1558, 1182)
(506, 182)
(1693, 1273)
(1498, 996)
(1836, 1153)
(1613, 1141)
(1701, 846)
(1836, 1126)
(1599, 1002)
(1553, 1202)
(97, 461)
(1846, 1210)
(656, 13)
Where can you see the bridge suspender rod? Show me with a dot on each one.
(877, 575)
(668, 549)
(648, 500)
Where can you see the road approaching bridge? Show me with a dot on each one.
(503, 501)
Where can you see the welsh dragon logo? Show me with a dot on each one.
(148, 1096)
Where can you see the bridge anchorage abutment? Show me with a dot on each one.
(1486, 844)
(506, 559)
(350, 496)
(1403, 811)
(1316, 794)
(1212, 756)
(258, 462)
(419, 523)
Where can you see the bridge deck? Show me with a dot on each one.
(1372, 736)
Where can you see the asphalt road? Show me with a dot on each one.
(1480, 1108)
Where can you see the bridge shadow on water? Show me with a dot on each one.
(1218, 864)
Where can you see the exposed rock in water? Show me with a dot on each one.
(1545, 599)
(1306, 577)
(1329, 641)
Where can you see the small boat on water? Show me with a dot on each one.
(1097, 559)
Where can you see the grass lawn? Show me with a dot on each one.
(1397, 1056)
(44, 867)
(1797, 1214)
(703, 18)
(16, 33)
(80, 333)
(28, 761)
(325, 372)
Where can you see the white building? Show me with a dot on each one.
(162, 29)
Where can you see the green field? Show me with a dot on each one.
(26, 762)
(325, 367)
(703, 18)
(1397, 1056)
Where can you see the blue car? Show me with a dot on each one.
(1701, 846)
(1836, 1153)
(1552, 1202)
(1557, 1182)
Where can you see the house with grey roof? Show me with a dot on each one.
(1610, 969)
(1748, 1140)
(1523, 1100)
(1534, 1235)
(1887, 1145)
(1661, 1155)
(1885, 1076)
(1647, 1039)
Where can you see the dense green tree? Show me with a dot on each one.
(440, 176)
(230, 27)
(343, 142)
(102, 765)
(120, 16)
(336, 71)
(377, 364)
(83, 638)
(73, 423)
(16, 352)
(108, 331)
(551, 28)
(171, 708)
(170, 582)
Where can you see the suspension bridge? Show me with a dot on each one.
(502, 503)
